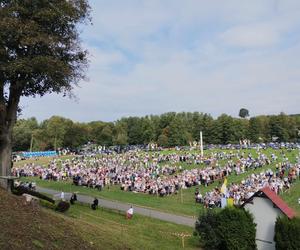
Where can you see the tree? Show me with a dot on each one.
(135, 130)
(236, 229)
(206, 226)
(40, 53)
(230, 228)
(76, 135)
(56, 129)
(243, 113)
(178, 134)
(23, 132)
(287, 233)
(148, 130)
(223, 130)
(106, 135)
(96, 128)
(120, 133)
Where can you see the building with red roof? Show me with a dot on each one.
(266, 206)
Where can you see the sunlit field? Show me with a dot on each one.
(182, 203)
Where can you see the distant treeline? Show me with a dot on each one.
(169, 129)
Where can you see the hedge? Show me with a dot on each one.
(62, 206)
(287, 233)
(22, 190)
(230, 228)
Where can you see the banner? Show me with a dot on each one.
(39, 154)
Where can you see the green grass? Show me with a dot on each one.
(41, 160)
(25, 227)
(113, 231)
(182, 203)
(291, 197)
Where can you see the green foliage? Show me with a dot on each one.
(39, 38)
(22, 190)
(287, 233)
(231, 228)
(167, 130)
(22, 133)
(206, 226)
(47, 204)
(40, 53)
(236, 229)
(62, 206)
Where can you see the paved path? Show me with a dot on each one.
(178, 219)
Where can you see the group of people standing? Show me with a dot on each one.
(165, 174)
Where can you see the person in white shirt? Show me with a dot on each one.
(129, 213)
(62, 196)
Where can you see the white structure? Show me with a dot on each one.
(266, 206)
(201, 143)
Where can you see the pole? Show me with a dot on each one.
(201, 143)
(31, 143)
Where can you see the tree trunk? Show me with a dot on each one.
(8, 116)
(5, 156)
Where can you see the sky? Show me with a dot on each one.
(156, 56)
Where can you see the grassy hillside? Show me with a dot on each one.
(291, 197)
(23, 227)
(82, 228)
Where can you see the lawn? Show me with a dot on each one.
(182, 203)
(41, 160)
(31, 227)
(292, 196)
(111, 230)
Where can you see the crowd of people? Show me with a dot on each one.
(165, 174)
(277, 181)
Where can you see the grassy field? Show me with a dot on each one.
(41, 160)
(291, 197)
(110, 230)
(28, 227)
(182, 203)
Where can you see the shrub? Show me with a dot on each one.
(22, 190)
(47, 204)
(231, 228)
(62, 206)
(236, 229)
(287, 233)
(206, 228)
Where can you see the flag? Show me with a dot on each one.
(224, 186)
(230, 202)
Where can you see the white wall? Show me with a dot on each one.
(265, 217)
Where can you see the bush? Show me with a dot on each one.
(231, 228)
(22, 190)
(206, 228)
(62, 206)
(47, 204)
(236, 229)
(287, 233)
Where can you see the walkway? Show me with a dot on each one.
(178, 219)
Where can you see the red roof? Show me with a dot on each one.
(278, 202)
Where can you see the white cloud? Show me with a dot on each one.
(250, 36)
(211, 56)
